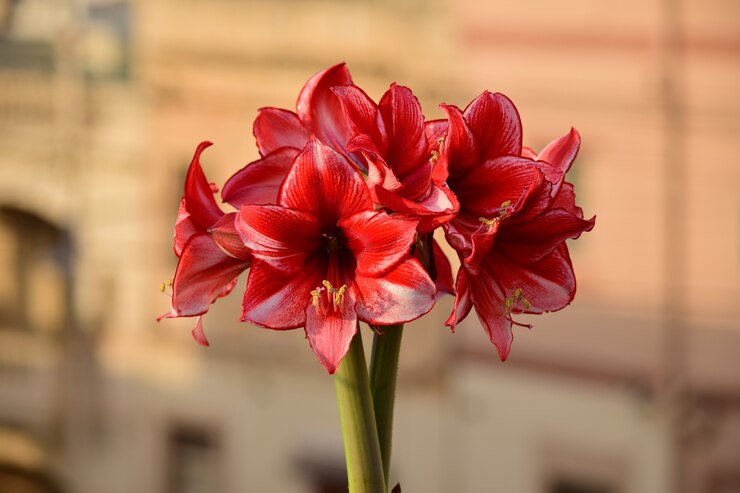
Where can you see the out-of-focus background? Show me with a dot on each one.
(635, 388)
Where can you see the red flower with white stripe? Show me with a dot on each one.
(211, 254)
(324, 258)
(515, 215)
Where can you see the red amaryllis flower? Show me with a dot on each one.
(515, 215)
(401, 164)
(323, 258)
(209, 248)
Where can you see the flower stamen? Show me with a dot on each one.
(327, 296)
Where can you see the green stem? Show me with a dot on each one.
(361, 450)
(383, 371)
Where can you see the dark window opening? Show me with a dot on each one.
(194, 461)
(577, 485)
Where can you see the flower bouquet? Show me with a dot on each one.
(335, 223)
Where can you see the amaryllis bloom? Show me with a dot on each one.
(515, 215)
(324, 258)
(400, 160)
(209, 248)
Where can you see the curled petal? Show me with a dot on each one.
(495, 122)
(198, 334)
(463, 300)
(402, 294)
(203, 274)
(275, 128)
(561, 152)
(321, 111)
(324, 184)
(199, 201)
(378, 241)
(331, 331)
(259, 181)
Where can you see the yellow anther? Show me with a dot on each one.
(488, 222)
(515, 300)
(435, 157)
(335, 296)
(506, 203)
(315, 294)
(339, 296)
(165, 284)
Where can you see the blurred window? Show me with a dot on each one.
(27, 29)
(579, 485)
(107, 43)
(35, 261)
(194, 457)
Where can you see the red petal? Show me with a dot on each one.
(531, 240)
(463, 300)
(321, 111)
(199, 201)
(198, 334)
(496, 125)
(403, 294)
(498, 186)
(224, 233)
(489, 306)
(443, 270)
(435, 130)
(275, 128)
(529, 153)
(184, 228)
(203, 274)
(460, 150)
(278, 299)
(482, 242)
(362, 118)
(259, 181)
(438, 208)
(548, 285)
(324, 184)
(404, 125)
(377, 240)
(330, 332)
(283, 237)
(566, 199)
(561, 152)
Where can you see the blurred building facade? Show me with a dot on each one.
(632, 389)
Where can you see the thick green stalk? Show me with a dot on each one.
(383, 371)
(361, 450)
